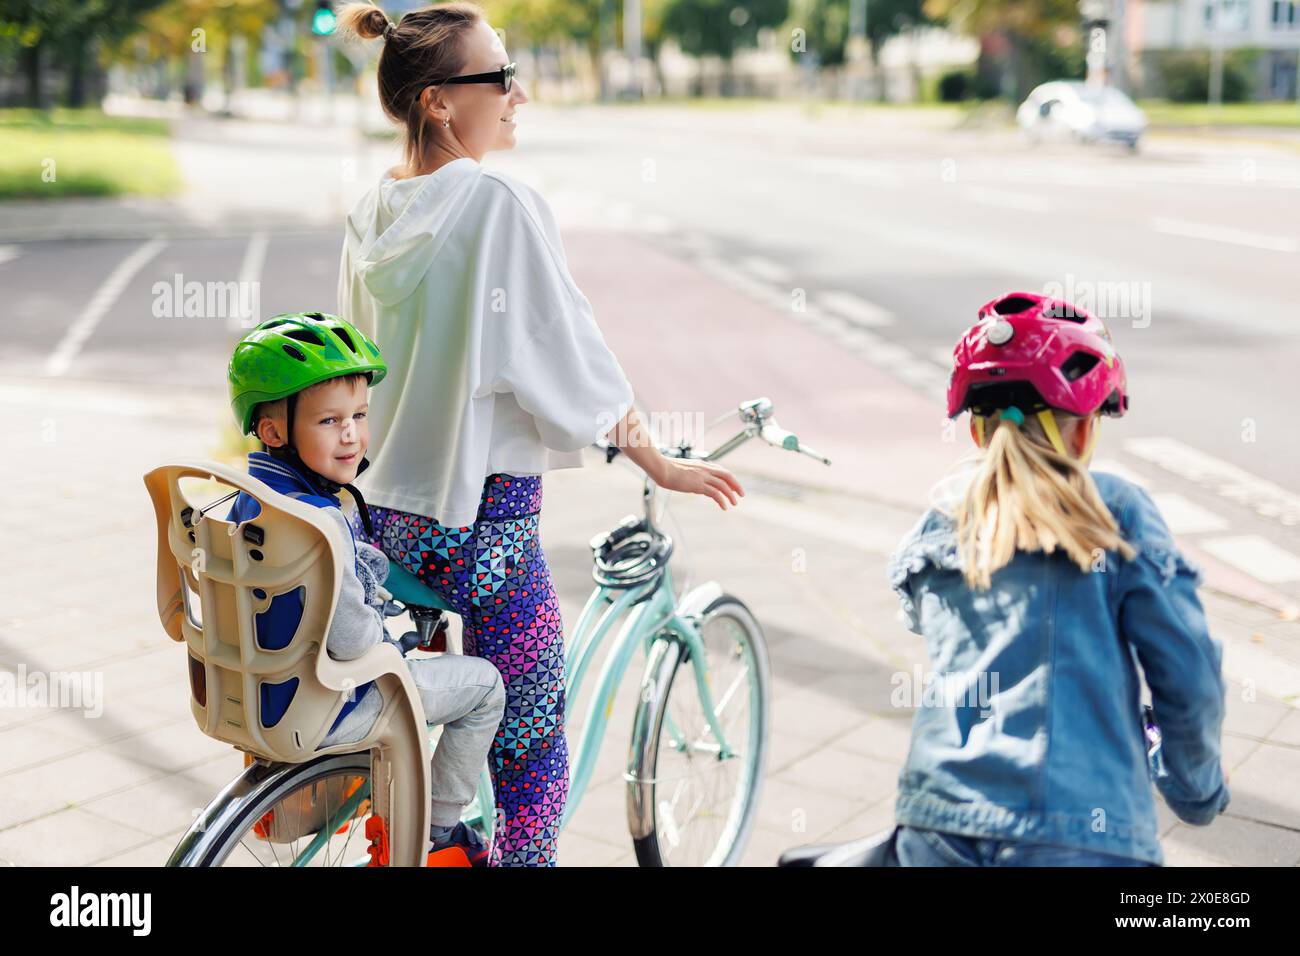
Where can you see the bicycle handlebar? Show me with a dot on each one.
(758, 422)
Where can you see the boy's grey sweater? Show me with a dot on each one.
(357, 626)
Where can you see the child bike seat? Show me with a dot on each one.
(215, 577)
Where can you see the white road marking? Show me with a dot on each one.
(848, 331)
(1238, 237)
(739, 279)
(1264, 497)
(1123, 471)
(9, 252)
(767, 270)
(250, 271)
(888, 354)
(1185, 516)
(1258, 557)
(855, 308)
(1005, 199)
(700, 243)
(103, 299)
(1266, 671)
(108, 401)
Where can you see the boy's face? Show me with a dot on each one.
(331, 428)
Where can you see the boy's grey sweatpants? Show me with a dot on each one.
(466, 696)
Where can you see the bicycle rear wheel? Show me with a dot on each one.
(309, 814)
(693, 806)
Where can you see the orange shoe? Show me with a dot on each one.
(463, 846)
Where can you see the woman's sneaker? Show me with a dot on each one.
(463, 846)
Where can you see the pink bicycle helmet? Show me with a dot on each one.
(1036, 352)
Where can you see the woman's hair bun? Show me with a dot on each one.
(363, 19)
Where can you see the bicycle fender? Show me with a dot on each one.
(697, 600)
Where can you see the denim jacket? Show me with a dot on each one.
(1036, 733)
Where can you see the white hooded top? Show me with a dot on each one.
(495, 362)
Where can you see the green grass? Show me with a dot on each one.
(742, 103)
(1163, 113)
(83, 153)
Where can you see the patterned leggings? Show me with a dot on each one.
(494, 575)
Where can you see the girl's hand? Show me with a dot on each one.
(700, 478)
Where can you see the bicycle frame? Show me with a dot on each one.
(649, 615)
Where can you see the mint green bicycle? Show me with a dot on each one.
(699, 732)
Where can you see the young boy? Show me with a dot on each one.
(300, 383)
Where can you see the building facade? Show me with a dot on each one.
(1263, 33)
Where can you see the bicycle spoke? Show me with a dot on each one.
(251, 853)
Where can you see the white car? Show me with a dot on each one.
(1072, 110)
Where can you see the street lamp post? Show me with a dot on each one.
(1216, 53)
(858, 46)
(632, 44)
(1093, 13)
(323, 23)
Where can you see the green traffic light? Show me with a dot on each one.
(323, 21)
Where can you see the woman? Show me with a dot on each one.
(499, 374)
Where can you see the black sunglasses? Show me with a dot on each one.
(505, 76)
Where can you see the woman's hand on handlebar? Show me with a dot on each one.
(699, 478)
(673, 474)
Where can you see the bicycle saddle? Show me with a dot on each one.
(875, 850)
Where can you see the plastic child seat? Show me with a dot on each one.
(215, 577)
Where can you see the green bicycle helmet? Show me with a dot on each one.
(290, 352)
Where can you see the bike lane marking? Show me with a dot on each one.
(104, 298)
(250, 272)
(1236, 237)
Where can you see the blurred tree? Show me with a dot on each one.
(170, 29)
(74, 30)
(1031, 39)
(721, 27)
(550, 23)
(540, 23)
(66, 30)
(827, 24)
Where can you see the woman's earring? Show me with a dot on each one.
(446, 123)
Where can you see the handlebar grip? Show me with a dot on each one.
(777, 435)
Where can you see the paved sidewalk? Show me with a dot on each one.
(121, 787)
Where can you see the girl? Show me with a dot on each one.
(499, 374)
(1038, 587)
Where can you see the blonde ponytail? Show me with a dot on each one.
(1026, 496)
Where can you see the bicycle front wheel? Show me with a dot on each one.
(688, 803)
